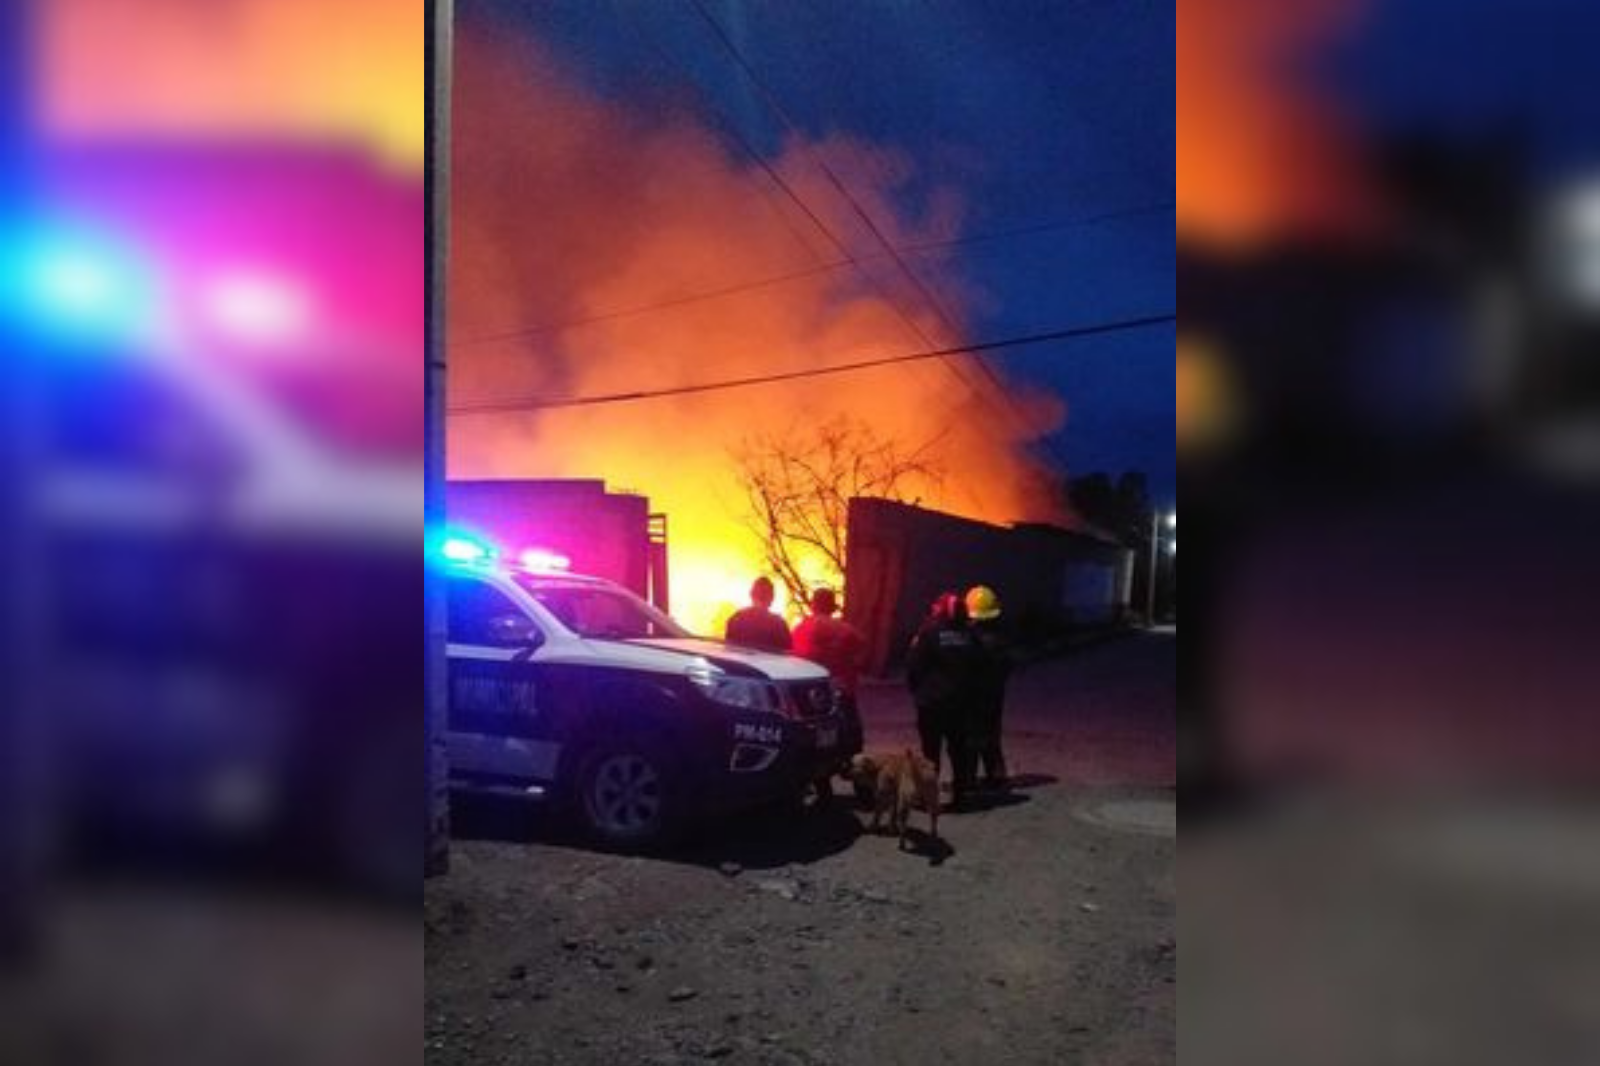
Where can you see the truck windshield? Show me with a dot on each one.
(606, 614)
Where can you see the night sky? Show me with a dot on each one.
(1050, 117)
(1490, 66)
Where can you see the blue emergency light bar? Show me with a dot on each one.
(70, 287)
(461, 548)
(457, 548)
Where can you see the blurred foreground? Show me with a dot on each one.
(178, 973)
(1393, 932)
(211, 282)
(1389, 437)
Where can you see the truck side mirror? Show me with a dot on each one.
(515, 631)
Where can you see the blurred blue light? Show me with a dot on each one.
(460, 548)
(70, 287)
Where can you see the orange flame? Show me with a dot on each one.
(583, 237)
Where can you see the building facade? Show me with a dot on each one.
(1051, 581)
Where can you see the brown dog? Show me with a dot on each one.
(896, 782)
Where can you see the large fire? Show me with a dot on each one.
(583, 236)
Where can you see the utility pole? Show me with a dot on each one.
(1155, 565)
(25, 827)
(438, 34)
(1156, 520)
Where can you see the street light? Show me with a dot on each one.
(1575, 245)
(1157, 520)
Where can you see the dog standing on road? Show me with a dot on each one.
(896, 782)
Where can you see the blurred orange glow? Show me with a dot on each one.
(1207, 404)
(583, 236)
(234, 69)
(1258, 150)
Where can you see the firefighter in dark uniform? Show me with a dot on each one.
(944, 670)
(983, 608)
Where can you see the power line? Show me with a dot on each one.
(1041, 227)
(795, 275)
(781, 113)
(934, 301)
(505, 406)
(728, 126)
(847, 256)
(771, 171)
(776, 107)
(663, 305)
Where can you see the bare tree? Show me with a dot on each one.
(798, 486)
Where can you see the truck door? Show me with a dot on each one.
(498, 733)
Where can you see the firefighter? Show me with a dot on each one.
(756, 626)
(944, 670)
(983, 608)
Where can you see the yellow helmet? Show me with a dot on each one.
(982, 603)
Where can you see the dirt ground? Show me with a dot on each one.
(1047, 934)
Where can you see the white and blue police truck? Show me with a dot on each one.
(573, 690)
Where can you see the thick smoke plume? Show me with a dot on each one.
(585, 235)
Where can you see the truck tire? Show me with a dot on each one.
(629, 796)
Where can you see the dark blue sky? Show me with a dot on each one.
(1469, 67)
(1048, 115)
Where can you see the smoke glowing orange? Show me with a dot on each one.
(1260, 153)
(583, 234)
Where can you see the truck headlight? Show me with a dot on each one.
(744, 693)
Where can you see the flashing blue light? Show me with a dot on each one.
(72, 287)
(460, 549)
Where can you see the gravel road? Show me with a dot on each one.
(1045, 933)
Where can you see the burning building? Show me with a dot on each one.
(609, 263)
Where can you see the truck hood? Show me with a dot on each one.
(670, 653)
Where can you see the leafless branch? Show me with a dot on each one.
(798, 485)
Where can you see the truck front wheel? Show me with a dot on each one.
(627, 797)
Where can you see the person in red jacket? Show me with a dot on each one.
(832, 642)
(839, 646)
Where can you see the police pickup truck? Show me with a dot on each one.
(575, 690)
